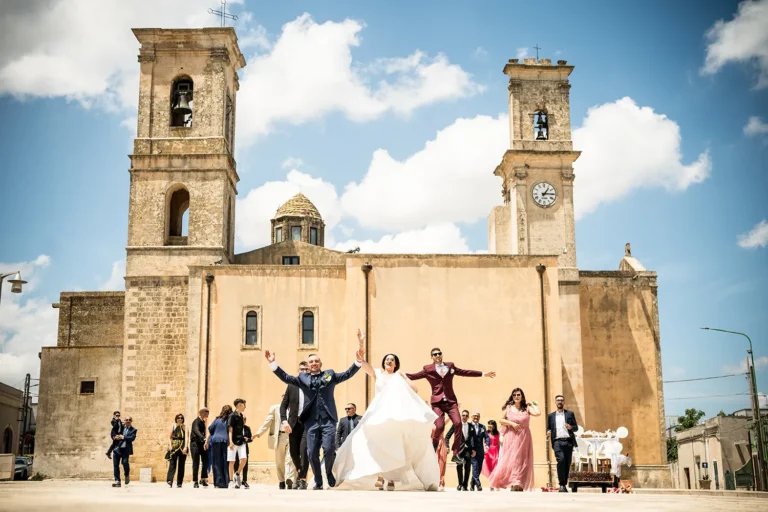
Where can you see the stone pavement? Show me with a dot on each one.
(94, 495)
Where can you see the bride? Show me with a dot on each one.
(393, 440)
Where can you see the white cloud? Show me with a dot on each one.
(480, 53)
(449, 180)
(116, 279)
(521, 53)
(445, 238)
(760, 363)
(26, 323)
(309, 72)
(755, 126)
(83, 50)
(258, 207)
(757, 237)
(744, 38)
(292, 163)
(626, 147)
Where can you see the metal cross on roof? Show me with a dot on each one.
(223, 14)
(537, 51)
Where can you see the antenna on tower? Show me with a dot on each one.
(223, 14)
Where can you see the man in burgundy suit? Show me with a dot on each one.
(440, 376)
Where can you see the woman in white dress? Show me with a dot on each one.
(393, 440)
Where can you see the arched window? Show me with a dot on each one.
(308, 328)
(182, 102)
(178, 218)
(541, 125)
(251, 328)
(8, 440)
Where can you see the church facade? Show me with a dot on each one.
(195, 317)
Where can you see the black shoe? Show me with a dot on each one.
(246, 486)
(116, 484)
(472, 487)
(127, 479)
(463, 487)
(204, 483)
(459, 488)
(303, 485)
(317, 488)
(178, 486)
(563, 489)
(281, 485)
(479, 487)
(197, 485)
(289, 484)
(170, 484)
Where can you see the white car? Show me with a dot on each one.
(23, 468)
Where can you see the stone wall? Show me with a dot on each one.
(622, 363)
(73, 428)
(10, 405)
(90, 319)
(308, 254)
(154, 363)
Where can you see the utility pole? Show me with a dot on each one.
(755, 400)
(24, 408)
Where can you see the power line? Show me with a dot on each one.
(706, 396)
(707, 378)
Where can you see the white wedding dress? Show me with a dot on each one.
(392, 440)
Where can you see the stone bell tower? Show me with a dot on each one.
(181, 213)
(183, 172)
(537, 188)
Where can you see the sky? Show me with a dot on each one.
(357, 103)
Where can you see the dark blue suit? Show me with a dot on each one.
(319, 415)
(123, 450)
(481, 441)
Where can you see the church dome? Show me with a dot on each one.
(298, 206)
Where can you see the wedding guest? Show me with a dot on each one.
(466, 450)
(236, 448)
(290, 411)
(123, 449)
(492, 453)
(198, 447)
(278, 441)
(178, 450)
(515, 467)
(217, 447)
(248, 438)
(347, 424)
(116, 424)
(481, 441)
(561, 428)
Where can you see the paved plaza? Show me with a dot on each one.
(92, 496)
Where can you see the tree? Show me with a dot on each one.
(690, 420)
(671, 449)
(721, 414)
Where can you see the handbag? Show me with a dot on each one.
(168, 455)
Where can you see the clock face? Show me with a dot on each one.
(544, 194)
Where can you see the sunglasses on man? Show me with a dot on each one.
(435, 354)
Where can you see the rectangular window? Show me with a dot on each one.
(313, 236)
(290, 260)
(278, 235)
(251, 328)
(296, 233)
(87, 387)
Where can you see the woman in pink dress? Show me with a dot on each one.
(492, 453)
(515, 468)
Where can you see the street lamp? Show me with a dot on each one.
(16, 282)
(755, 403)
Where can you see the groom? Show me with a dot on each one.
(319, 414)
(440, 376)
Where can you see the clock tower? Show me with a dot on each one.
(537, 187)
(537, 170)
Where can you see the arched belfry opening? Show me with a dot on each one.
(178, 216)
(182, 99)
(541, 125)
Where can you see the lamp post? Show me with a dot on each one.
(755, 404)
(16, 282)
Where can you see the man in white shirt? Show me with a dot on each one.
(466, 452)
(561, 426)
